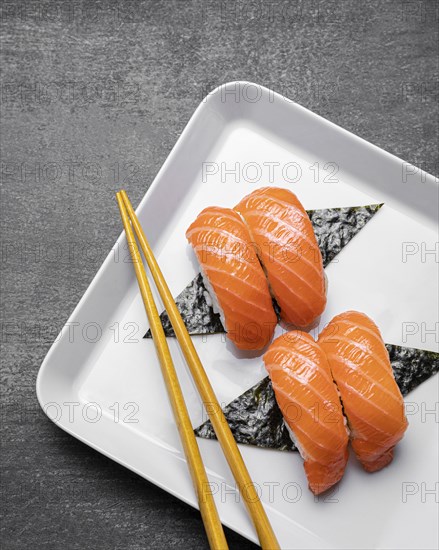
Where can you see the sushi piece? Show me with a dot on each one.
(310, 404)
(233, 277)
(371, 398)
(288, 249)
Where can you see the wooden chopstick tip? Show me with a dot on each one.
(118, 197)
(129, 232)
(126, 200)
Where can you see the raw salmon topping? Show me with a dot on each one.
(308, 399)
(287, 247)
(234, 276)
(371, 399)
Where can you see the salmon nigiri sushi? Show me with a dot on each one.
(288, 249)
(372, 401)
(310, 404)
(234, 277)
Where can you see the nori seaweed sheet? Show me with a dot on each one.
(412, 366)
(197, 314)
(255, 418)
(333, 227)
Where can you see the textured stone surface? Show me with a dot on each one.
(95, 100)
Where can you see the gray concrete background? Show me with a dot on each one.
(94, 96)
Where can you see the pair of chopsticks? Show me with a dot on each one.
(209, 513)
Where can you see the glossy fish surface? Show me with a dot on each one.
(310, 404)
(287, 247)
(372, 400)
(234, 276)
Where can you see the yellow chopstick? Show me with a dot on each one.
(209, 513)
(260, 520)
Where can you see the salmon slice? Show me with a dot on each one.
(234, 277)
(309, 401)
(287, 247)
(372, 401)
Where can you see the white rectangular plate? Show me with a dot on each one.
(101, 381)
